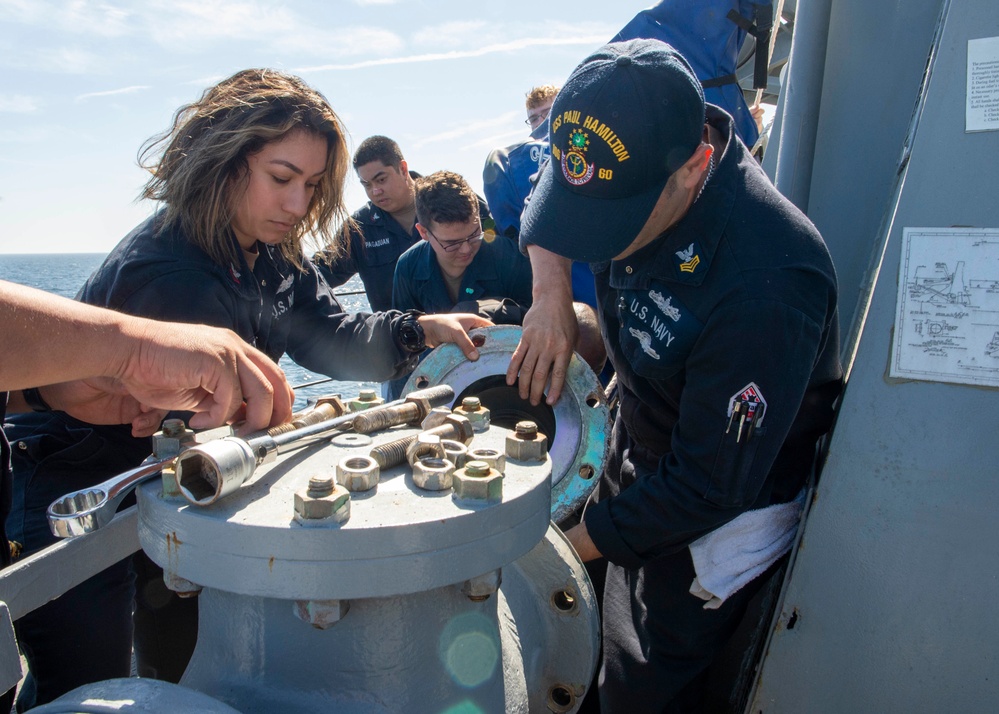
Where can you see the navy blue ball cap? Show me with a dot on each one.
(630, 115)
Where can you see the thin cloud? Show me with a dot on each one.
(473, 128)
(112, 92)
(450, 33)
(18, 104)
(512, 46)
(366, 3)
(487, 143)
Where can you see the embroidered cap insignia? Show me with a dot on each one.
(575, 169)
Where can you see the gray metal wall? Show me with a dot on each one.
(894, 589)
(875, 56)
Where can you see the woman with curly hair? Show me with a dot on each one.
(245, 175)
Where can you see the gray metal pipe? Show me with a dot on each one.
(802, 95)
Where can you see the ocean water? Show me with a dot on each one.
(65, 273)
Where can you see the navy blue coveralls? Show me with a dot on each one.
(86, 635)
(374, 247)
(735, 304)
(499, 270)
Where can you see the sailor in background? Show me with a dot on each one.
(717, 302)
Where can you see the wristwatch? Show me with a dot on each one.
(410, 333)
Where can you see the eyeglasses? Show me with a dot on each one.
(538, 118)
(451, 246)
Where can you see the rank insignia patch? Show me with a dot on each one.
(689, 260)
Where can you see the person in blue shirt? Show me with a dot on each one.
(456, 263)
(709, 35)
(459, 267)
(506, 177)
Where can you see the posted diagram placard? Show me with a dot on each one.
(947, 313)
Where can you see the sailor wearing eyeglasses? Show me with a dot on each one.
(459, 267)
(460, 261)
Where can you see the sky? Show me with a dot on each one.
(85, 83)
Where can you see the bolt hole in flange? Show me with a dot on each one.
(561, 699)
(564, 601)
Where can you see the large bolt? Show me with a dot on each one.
(477, 482)
(412, 411)
(526, 430)
(471, 408)
(393, 453)
(320, 486)
(455, 427)
(322, 503)
(324, 409)
(321, 614)
(527, 443)
(172, 437)
(433, 474)
(357, 473)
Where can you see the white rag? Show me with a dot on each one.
(732, 555)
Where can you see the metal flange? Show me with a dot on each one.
(580, 419)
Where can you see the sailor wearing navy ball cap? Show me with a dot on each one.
(717, 302)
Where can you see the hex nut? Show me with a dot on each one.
(321, 614)
(436, 417)
(495, 459)
(182, 586)
(472, 487)
(365, 399)
(479, 418)
(480, 587)
(357, 473)
(425, 446)
(172, 437)
(433, 474)
(462, 427)
(321, 510)
(519, 449)
(455, 452)
(423, 408)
